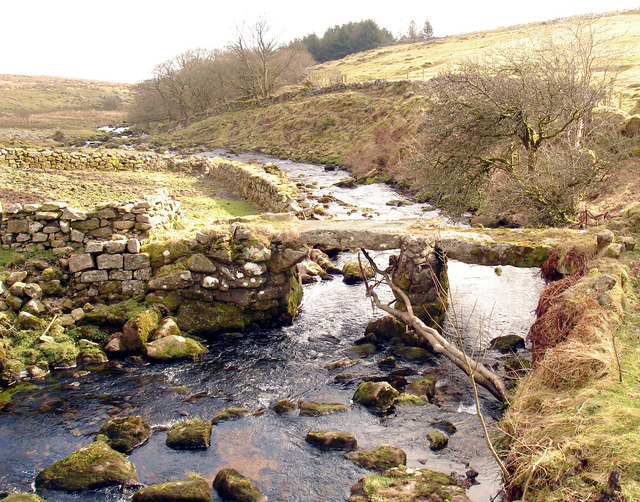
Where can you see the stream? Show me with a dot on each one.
(62, 412)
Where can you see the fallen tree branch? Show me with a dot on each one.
(475, 370)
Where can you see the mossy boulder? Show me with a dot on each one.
(194, 434)
(507, 343)
(316, 409)
(446, 426)
(437, 439)
(331, 440)
(210, 317)
(192, 489)
(233, 486)
(93, 466)
(167, 327)
(417, 354)
(378, 459)
(30, 321)
(60, 354)
(117, 314)
(230, 414)
(362, 350)
(174, 347)
(137, 331)
(164, 253)
(386, 328)
(351, 273)
(90, 353)
(402, 484)
(293, 298)
(23, 497)
(424, 386)
(123, 434)
(285, 406)
(377, 396)
(406, 399)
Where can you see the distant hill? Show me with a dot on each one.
(45, 104)
(423, 60)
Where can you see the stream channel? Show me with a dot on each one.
(61, 413)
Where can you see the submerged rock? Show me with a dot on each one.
(90, 467)
(193, 434)
(284, 406)
(386, 328)
(424, 386)
(445, 426)
(123, 434)
(331, 440)
(377, 396)
(378, 459)
(417, 354)
(404, 484)
(23, 497)
(173, 347)
(230, 414)
(507, 343)
(233, 486)
(315, 409)
(191, 489)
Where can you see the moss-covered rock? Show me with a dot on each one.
(362, 350)
(331, 440)
(174, 347)
(386, 328)
(437, 439)
(194, 434)
(117, 314)
(192, 489)
(59, 354)
(90, 353)
(378, 459)
(167, 327)
(417, 354)
(137, 331)
(233, 486)
(424, 386)
(352, 274)
(210, 317)
(507, 343)
(23, 497)
(230, 414)
(316, 409)
(90, 467)
(164, 253)
(123, 434)
(446, 426)
(284, 406)
(402, 484)
(377, 396)
(406, 399)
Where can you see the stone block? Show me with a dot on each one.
(72, 214)
(114, 247)
(76, 235)
(120, 275)
(35, 226)
(23, 238)
(110, 261)
(94, 247)
(86, 225)
(51, 229)
(53, 206)
(107, 213)
(80, 262)
(136, 261)
(64, 226)
(63, 251)
(133, 288)
(123, 225)
(39, 237)
(133, 246)
(48, 215)
(101, 233)
(94, 276)
(17, 226)
(142, 274)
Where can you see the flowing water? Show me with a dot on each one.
(64, 411)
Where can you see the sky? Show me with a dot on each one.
(122, 40)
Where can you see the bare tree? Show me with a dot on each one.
(519, 122)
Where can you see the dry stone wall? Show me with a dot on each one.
(64, 229)
(269, 191)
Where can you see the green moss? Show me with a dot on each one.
(166, 252)
(315, 409)
(7, 394)
(194, 434)
(378, 396)
(192, 489)
(362, 350)
(204, 317)
(123, 434)
(386, 328)
(406, 399)
(137, 331)
(90, 352)
(438, 439)
(174, 347)
(23, 497)
(414, 354)
(230, 414)
(284, 406)
(379, 459)
(231, 485)
(294, 296)
(118, 313)
(90, 467)
(59, 354)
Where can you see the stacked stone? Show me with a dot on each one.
(22, 158)
(57, 226)
(113, 269)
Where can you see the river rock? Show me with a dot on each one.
(233, 486)
(90, 353)
(445, 426)
(230, 414)
(437, 439)
(386, 328)
(401, 484)
(284, 406)
(331, 440)
(90, 467)
(136, 331)
(192, 489)
(167, 327)
(210, 317)
(123, 434)
(194, 434)
(424, 386)
(316, 409)
(507, 343)
(174, 347)
(417, 354)
(23, 497)
(378, 459)
(351, 273)
(377, 396)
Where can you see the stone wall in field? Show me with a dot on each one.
(64, 229)
(268, 190)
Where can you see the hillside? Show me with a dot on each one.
(34, 107)
(423, 60)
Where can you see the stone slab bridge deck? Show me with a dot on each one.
(516, 247)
